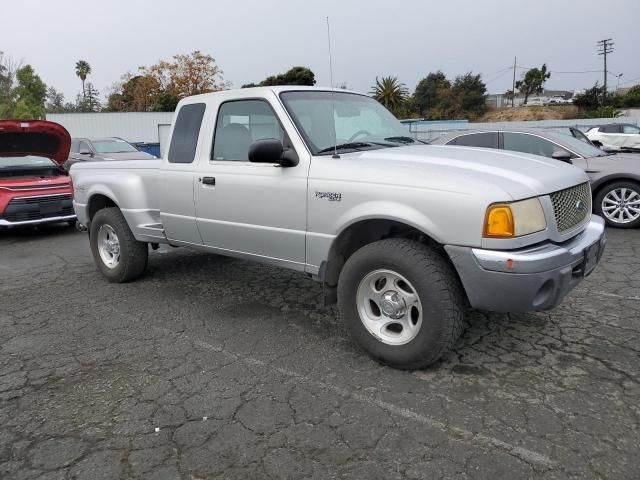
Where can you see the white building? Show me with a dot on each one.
(134, 127)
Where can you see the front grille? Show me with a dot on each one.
(35, 208)
(39, 200)
(571, 206)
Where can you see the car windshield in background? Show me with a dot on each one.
(578, 146)
(344, 121)
(26, 161)
(581, 136)
(113, 146)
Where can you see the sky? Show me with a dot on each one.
(252, 39)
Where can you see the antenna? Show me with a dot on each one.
(333, 103)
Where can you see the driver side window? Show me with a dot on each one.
(239, 124)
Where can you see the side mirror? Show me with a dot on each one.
(271, 150)
(86, 152)
(561, 155)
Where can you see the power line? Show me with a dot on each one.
(558, 71)
(504, 72)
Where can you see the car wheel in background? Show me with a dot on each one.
(619, 204)
(401, 302)
(118, 255)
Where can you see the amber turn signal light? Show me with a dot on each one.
(499, 222)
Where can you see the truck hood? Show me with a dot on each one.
(519, 175)
(19, 138)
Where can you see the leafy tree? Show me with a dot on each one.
(55, 101)
(137, 93)
(533, 81)
(82, 70)
(632, 97)
(8, 68)
(166, 102)
(469, 92)
(30, 94)
(293, 76)
(429, 91)
(186, 75)
(590, 99)
(390, 92)
(595, 103)
(91, 99)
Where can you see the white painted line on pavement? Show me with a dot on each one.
(614, 295)
(525, 454)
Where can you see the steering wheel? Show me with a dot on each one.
(357, 134)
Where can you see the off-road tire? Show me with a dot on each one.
(133, 254)
(437, 286)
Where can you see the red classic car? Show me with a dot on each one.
(34, 188)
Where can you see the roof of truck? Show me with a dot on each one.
(260, 91)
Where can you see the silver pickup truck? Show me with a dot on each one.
(404, 236)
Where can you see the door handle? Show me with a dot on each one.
(208, 180)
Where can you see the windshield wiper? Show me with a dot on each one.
(343, 146)
(400, 139)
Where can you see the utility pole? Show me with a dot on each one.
(605, 47)
(618, 85)
(513, 87)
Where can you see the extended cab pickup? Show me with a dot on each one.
(403, 235)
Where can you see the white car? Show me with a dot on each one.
(558, 100)
(620, 136)
(536, 102)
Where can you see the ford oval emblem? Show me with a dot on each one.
(580, 206)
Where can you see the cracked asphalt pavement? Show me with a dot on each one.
(211, 367)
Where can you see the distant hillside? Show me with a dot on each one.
(519, 114)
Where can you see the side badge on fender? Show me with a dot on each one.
(331, 196)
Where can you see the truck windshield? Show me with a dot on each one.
(347, 121)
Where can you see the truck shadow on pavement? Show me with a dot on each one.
(248, 293)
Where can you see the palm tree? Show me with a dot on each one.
(82, 70)
(390, 92)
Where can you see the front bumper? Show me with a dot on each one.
(39, 221)
(24, 210)
(532, 278)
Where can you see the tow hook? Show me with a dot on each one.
(80, 227)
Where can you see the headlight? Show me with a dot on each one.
(507, 220)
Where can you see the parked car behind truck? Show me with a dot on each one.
(34, 188)
(403, 235)
(101, 149)
(615, 179)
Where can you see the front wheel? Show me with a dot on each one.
(401, 302)
(619, 204)
(118, 255)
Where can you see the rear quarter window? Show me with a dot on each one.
(184, 139)
(484, 140)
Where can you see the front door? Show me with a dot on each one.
(253, 209)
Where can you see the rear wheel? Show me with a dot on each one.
(118, 255)
(401, 302)
(619, 204)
